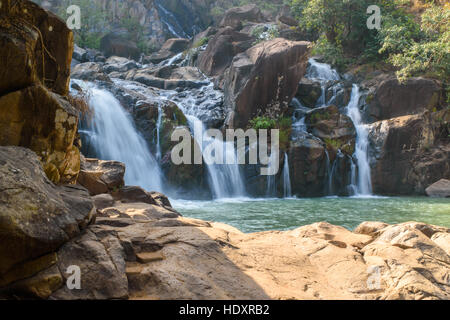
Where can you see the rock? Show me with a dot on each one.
(133, 194)
(440, 189)
(161, 199)
(36, 217)
(264, 78)
(118, 64)
(118, 45)
(307, 160)
(90, 71)
(100, 176)
(46, 123)
(285, 17)
(335, 129)
(176, 45)
(409, 153)
(221, 49)
(103, 201)
(235, 16)
(22, 33)
(392, 99)
(80, 54)
(309, 92)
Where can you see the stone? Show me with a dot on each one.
(130, 194)
(45, 122)
(392, 99)
(36, 217)
(118, 45)
(99, 176)
(221, 49)
(235, 16)
(264, 78)
(103, 201)
(440, 189)
(309, 92)
(22, 34)
(90, 71)
(175, 45)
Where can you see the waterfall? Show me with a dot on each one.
(323, 73)
(158, 132)
(112, 134)
(287, 189)
(361, 175)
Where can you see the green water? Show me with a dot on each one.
(254, 215)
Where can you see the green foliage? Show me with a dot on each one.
(284, 124)
(200, 43)
(260, 123)
(264, 33)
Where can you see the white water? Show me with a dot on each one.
(361, 176)
(114, 137)
(323, 73)
(287, 189)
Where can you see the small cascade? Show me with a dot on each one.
(287, 187)
(112, 135)
(171, 22)
(324, 74)
(158, 133)
(361, 174)
(331, 172)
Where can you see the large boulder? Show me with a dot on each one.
(221, 49)
(264, 78)
(114, 44)
(440, 189)
(309, 92)
(235, 16)
(410, 153)
(36, 217)
(90, 71)
(392, 99)
(45, 122)
(175, 45)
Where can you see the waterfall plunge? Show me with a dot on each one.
(287, 189)
(114, 137)
(361, 176)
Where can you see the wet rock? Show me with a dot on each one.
(440, 189)
(309, 92)
(335, 129)
(80, 54)
(130, 194)
(175, 45)
(90, 71)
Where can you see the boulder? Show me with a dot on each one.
(221, 49)
(23, 59)
(410, 153)
(440, 189)
(235, 16)
(392, 99)
(264, 78)
(90, 71)
(80, 54)
(118, 45)
(103, 201)
(335, 129)
(45, 122)
(100, 176)
(131, 194)
(36, 217)
(176, 45)
(307, 161)
(309, 92)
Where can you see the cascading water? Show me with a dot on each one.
(113, 136)
(324, 74)
(287, 189)
(361, 176)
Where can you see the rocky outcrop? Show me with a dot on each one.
(34, 111)
(264, 78)
(309, 92)
(170, 48)
(234, 17)
(410, 153)
(221, 49)
(114, 44)
(391, 99)
(36, 217)
(440, 189)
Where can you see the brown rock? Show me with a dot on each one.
(36, 217)
(235, 16)
(440, 189)
(46, 123)
(175, 45)
(100, 176)
(118, 45)
(134, 194)
(264, 77)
